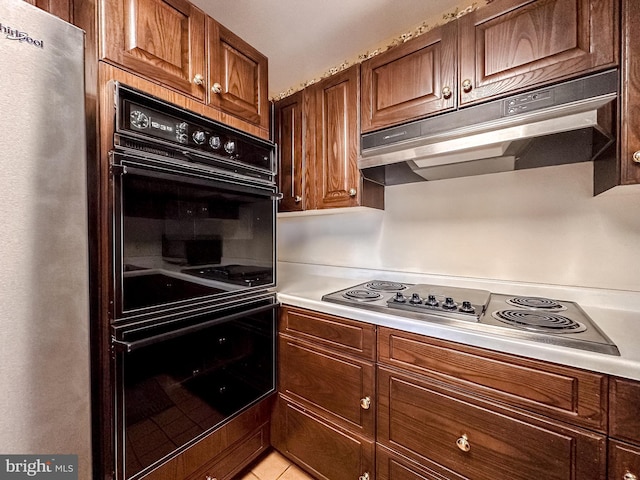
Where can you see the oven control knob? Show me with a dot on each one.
(182, 127)
(467, 307)
(182, 138)
(138, 120)
(431, 301)
(199, 137)
(449, 304)
(399, 298)
(230, 146)
(215, 142)
(415, 299)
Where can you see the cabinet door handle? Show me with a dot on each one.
(365, 403)
(216, 88)
(446, 93)
(636, 156)
(364, 476)
(352, 192)
(463, 443)
(198, 79)
(297, 199)
(467, 86)
(629, 476)
(209, 477)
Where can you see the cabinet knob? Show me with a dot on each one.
(636, 156)
(365, 403)
(352, 192)
(463, 443)
(446, 92)
(364, 476)
(297, 199)
(198, 79)
(216, 88)
(467, 86)
(209, 477)
(628, 475)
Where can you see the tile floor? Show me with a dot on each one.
(274, 466)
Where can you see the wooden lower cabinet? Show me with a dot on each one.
(624, 461)
(447, 430)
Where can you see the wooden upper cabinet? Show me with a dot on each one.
(512, 45)
(289, 135)
(630, 96)
(335, 170)
(160, 39)
(238, 77)
(410, 81)
(59, 8)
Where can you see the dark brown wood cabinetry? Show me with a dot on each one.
(238, 76)
(325, 415)
(59, 8)
(319, 153)
(512, 45)
(173, 43)
(505, 47)
(411, 81)
(624, 429)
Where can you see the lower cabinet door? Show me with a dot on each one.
(479, 440)
(624, 461)
(325, 450)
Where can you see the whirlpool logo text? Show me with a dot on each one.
(10, 33)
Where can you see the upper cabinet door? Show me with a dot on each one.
(160, 39)
(289, 135)
(410, 81)
(59, 8)
(238, 76)
(335, 169)
(511, 45)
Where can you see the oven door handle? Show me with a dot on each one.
(127, 347)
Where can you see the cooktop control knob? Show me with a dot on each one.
(449, 304)
(415, 299)
(467, 307)
(199, 137)
(431, 301)
(400, 298)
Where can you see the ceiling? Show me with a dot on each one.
(303, 39)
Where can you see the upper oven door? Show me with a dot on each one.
(186, 236)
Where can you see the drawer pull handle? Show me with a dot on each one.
(636, 156)
(364, 476)
(630, 476)
(463, 443)
(365, 403)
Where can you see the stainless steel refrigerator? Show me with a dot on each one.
(44, 291)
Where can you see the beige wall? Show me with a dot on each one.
(541, 226)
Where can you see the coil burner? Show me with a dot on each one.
(538, 303)
(539, 321)
(384, 286)
(361, 295)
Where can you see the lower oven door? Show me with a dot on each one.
(186, 234)
(180, 379)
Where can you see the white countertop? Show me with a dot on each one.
(616, 313)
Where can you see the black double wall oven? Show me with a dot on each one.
(193, 305)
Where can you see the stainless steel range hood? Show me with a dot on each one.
(564, 123)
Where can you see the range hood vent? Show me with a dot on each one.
(564, 123)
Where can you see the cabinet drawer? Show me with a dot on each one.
(624, 410)
(330, 384)
(325, 450)
(624, 461)
(348, 336)
(563, 393)
(392, 466)
(432, 424)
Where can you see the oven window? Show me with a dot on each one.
(176, 390)
(183, 239)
